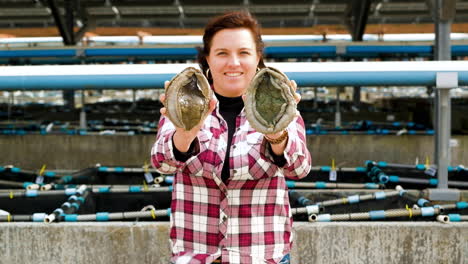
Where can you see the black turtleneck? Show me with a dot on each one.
(229, 108)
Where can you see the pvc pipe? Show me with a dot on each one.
(96, 77)
(105, 216)
(327, 185)
(378, 215)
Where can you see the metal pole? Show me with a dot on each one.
(83, 111)
(444, 12)
(337, 112)
(442, 52)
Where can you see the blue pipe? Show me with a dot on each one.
(95, 77)
(190, 53)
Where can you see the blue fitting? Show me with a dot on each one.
(353, 199)
(104, 189)
(67, 178)
(171, 188)
(393, 178)
(291, 184)
(39, 217)
(102, 216)
(421, 167)
(76, 205)
(169, 179)
(81, 199)
(396, 124)
(320, 185)
(427, 211)
(430, 132)
(433, 182)
(31, 193)
(2, 168)
(380, 195)
(383, 178)
(422, 202)
(71, 217)
(323, 218)
(450, 168)
(103, 168)
(134, 189)
(15, 170)
(371, 185)
(411, 132)
(70, 191)
(168, 211)
(302, 200)
(361, 169)
(375, 215)
(325, 168)
(118, 169)
(454, 217)
(382, 164)
(462, 205)
(49, 174)
(26, 184)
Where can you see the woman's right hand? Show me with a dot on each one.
(183, 138)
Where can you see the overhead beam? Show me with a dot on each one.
(356, 15)
(60, 23)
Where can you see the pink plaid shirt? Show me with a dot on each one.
(246, 220)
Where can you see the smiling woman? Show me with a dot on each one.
(233, 61)
(230, 202)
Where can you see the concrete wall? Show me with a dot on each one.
(145, 242)
(77, 152)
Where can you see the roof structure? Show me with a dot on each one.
(75, 17)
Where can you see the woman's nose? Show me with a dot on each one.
(234, 60)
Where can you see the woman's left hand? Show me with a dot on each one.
(296, 95)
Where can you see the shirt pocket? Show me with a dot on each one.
(194, 166)
(248, 158)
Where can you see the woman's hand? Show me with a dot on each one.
(183, 138)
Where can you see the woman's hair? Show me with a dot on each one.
(237, 19)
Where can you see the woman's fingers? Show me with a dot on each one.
(166, 83)
(297, 96)
(293, 84)
(162, 98)
(162, 111)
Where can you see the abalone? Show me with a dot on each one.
(187, 98)
(270, 104)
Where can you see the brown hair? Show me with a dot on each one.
(237, 19)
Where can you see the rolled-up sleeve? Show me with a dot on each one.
(162, 154)
(298, 158)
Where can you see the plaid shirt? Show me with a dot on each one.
(248, 218)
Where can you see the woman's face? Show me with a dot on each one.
(233, 61)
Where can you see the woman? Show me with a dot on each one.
(230, 201)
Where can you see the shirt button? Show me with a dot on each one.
(225, 218)
(234, 146)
